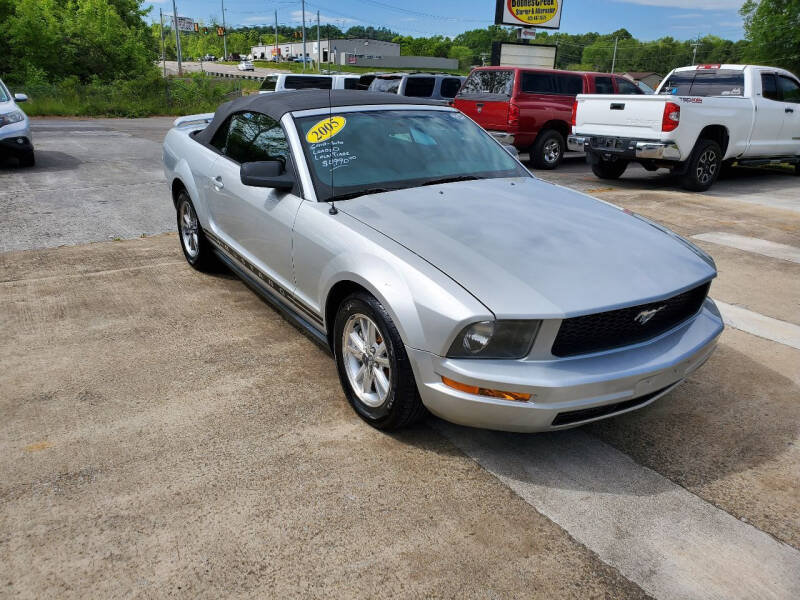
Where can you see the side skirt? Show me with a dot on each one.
(296, 318)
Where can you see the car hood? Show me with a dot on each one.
(524, 247)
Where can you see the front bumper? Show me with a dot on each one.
(15, 139)
(567, 392)
(631, 149)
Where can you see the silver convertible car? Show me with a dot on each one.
(441, 274)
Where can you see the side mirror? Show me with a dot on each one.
(267, 173)
(512, 150)
(20, 97)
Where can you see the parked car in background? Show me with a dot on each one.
(532, 108)
(299, 59)
(434, 86)
(298, 81)
(700, 118)
(15, 128)
(209, 58)
(245, 65)
(437, 269)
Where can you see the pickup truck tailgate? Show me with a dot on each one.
(488, 112)
(620, 116)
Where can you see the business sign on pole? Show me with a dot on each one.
(526, 34)
(545, 14)
(185, 24)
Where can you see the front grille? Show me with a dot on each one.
(623, 327)
(584, 414)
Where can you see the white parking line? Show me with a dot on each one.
(760, 325)
(660, 536)
(751, 244)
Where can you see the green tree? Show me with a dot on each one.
(772, 28)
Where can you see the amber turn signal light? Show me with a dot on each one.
(480, 391)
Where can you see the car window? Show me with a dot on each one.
(221, 136)
(253, 137)
(420, 87)
(603, 85)
(351, 83)
(790, 89)
(385, 84)
(485, 83)
(269, 83)
(3, 96)
(450, 87)
(537, 83)
(705, 83)
(627, 87)
(303, 83)
(350, 150)
(569, 85)
(769, 87)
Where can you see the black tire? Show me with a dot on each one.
(203, 258)
(548, 150)
(27, 160)
(402, 405)
(797, 168)
(703, 166)
(612, 168)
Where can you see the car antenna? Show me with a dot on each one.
(332, 210)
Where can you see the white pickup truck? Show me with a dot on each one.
(700, 118)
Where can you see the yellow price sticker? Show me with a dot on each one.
(325, 129)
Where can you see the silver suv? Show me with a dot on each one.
(435, 86)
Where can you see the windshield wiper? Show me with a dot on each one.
(358, 193)
(451, 179)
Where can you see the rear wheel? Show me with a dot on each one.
(613, 168)
(548, 149)
(373, 365)
(196, 248)
(703, 166)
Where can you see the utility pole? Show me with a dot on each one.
(304, 34)
(224, 34)
(163, 54)
(177, 37)
(276, 35)
(319, 48)
(614, 60)
(694, 51)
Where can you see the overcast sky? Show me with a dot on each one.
(645, 19)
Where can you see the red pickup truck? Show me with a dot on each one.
(532, 108)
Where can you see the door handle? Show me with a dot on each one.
(217, 181)
(788, 110)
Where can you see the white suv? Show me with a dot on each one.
(15, 129)
(297, 81)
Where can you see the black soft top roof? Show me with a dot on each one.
(277, 104)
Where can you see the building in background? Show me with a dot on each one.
(329, 50)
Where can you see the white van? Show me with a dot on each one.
(297, 81)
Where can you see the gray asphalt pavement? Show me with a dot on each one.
(166, 433)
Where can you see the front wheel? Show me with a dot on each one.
(548, 150)
(373, 365)
(703, 166)
(612, 168)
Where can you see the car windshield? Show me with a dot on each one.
(377, 150)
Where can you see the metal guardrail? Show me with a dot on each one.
(233, 75)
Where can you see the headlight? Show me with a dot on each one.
(494, 339)
(15, 116)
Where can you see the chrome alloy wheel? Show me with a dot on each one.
(552, 151)
(189, 230)
(366, 360)
(706, 166)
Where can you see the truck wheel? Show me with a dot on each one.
(196, 248)
(612, 168)
(547, 150)
(797, 168)
(703, 167)
(373, 365)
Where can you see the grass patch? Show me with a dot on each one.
(142, 97)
